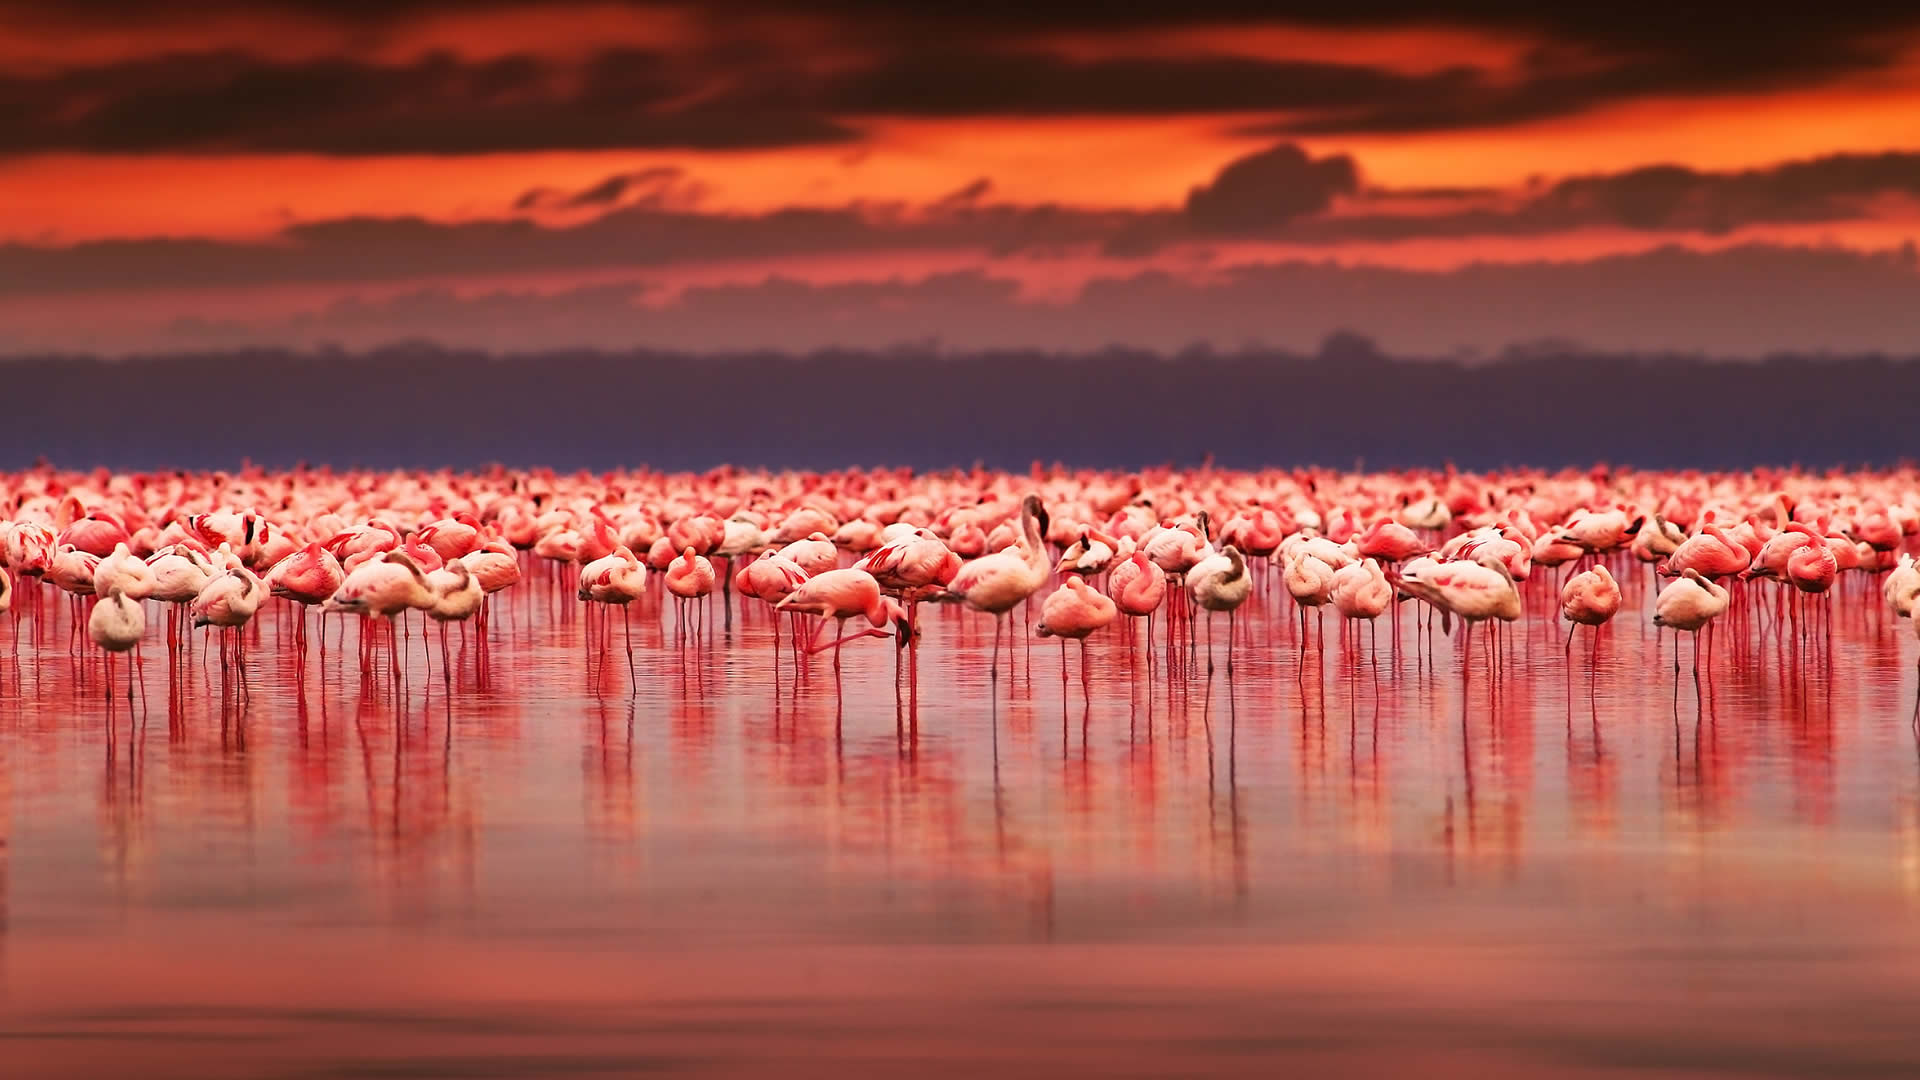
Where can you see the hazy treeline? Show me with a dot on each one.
(420, 405)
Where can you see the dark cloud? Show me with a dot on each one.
(438, 104)
(991, 82)
(1270, 188)
(1277, 195)
(739, 83)
(1671, 196)
(1744, 301)
(967, 195)
(1584, 55)
(663, 187)
(1836, 187)
(376, 249)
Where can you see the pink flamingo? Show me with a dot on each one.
(117, 624)
(228, 602)
(840, 595)
(997, 583)
(617, 578)
(1138, 588)
(689, 577)
(307, 577)
(1074, 612)
(1220, 583)
(1589, 598)
(386, 587)
(1691, 602)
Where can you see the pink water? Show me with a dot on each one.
(1592, 867)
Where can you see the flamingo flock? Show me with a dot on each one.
(1059, 554)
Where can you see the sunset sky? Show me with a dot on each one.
(517, 176)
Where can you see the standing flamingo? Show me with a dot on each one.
(1903, 586)
(180, 571)
(840, 595)
(1361, 591)
(385, 587)
(619, 578)
(1690, 602)
(1137, 588)
(228, 602)
(456, 596)
(770, 579)
(1220, 583)
(689, 577)
(1589, 598)
(117, 625)
(1074, 611)
(997, 583)
(307, 577)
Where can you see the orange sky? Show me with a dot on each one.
(233, 126)
(1099, 162)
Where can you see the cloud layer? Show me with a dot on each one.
(1745, 301)
(408, 78)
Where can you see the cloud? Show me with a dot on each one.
(1270, 188)
(967, 195)
(1671, 196)
(806, 76)
(989, 81)
(1748, 300)
(637, 235)
(663, 187)
(438, 104)
(651, 218)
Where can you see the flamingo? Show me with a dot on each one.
(1689, 603)
(1596, 532)
(307, 577)
(180, 571)
(1073, 612)
(97, 533)
(1137, 588)
(997, 583)
(1090, 553)
(841, 595)
(385, 587)
(618, 578)
(122, 570)
(1902, 586)
(1389, 541)
(770, 579)
(1220, 583)
(689, 577)
(814, 553)
(453, 537)
(1589, 598)
(739, 535)
(1711, 552)
(914, 565)
(1470, 590)
(1361, 591)
(498, 569)
(1310, 582)
(228, 601)
(117, 624)
(456, 596)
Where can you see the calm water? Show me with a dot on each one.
(1586, 869)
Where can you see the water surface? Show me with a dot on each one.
(1337, 861)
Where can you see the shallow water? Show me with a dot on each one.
(1337, 860)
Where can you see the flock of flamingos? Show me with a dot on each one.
(867, 548)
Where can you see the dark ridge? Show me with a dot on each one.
(426, 406)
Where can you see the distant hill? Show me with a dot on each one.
(421, 405)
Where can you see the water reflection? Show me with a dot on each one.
(1522, 854)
